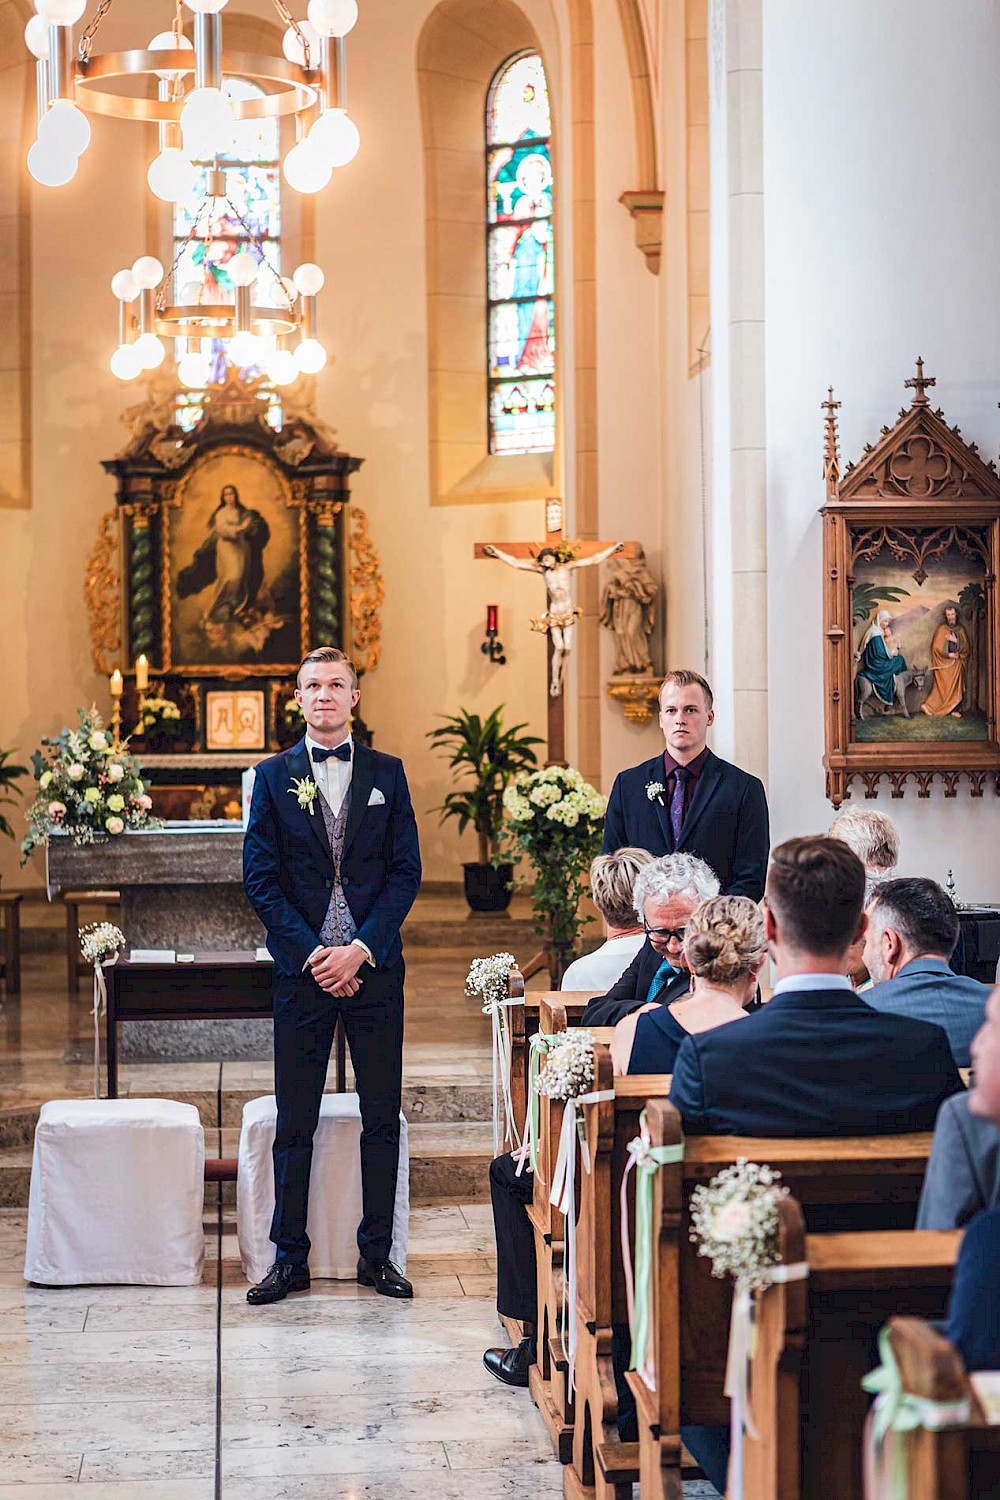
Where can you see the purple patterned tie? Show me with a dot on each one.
(677, 802)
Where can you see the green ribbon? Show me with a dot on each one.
(537, 1048)
(646, 1160)
(898, 1411)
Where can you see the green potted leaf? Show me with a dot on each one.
(486, 756)
(10, 775)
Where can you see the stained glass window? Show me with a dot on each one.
(253, 181)
(519, 260)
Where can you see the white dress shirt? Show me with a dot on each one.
(812, 982)
(605, 966)
(333, 779)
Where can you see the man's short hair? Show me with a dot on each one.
(816, 890)
(684, 677)
(612, 881)
(674, 875)
(872, 835)
(920, 911)
(328, 654)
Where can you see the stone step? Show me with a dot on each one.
(449, 1163)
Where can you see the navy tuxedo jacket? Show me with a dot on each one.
(630, 991)
(814, 1063)
(726, 824)
(288, 867)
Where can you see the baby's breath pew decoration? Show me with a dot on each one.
(100, 944)
(488, 978)
(568, 1070)
(734, 1222)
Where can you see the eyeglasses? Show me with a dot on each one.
(663, 934)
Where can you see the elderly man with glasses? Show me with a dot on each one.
(666, 893)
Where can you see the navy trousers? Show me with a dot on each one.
(305, 1018)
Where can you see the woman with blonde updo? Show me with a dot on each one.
(724, 948)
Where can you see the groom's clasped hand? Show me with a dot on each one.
(335, 969)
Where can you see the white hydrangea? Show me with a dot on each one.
(544, 794)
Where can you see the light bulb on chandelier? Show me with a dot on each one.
(60, 12)
(244, 349)
(242, 269)
(308, 279)
(205, 7)
(169, 41)
(281, 368)
(194, 371)
(291, 44)
(147, 271)
(124, 286)
(151, 350)
(306, 169)
(171, 176)
(36, 36)
(310, 356)
(50, 167)
(126, 362)
(64, 128)
(336, 136)
(208, 123)
(333, 17)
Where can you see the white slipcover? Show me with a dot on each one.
(334, 1190)
(117, 1194)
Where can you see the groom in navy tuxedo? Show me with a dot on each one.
(331, 865)
(688, 800)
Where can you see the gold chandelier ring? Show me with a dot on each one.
(288, 88)
(215, 320)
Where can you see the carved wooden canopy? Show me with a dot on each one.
(911, 553)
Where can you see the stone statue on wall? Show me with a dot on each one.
(628, 607)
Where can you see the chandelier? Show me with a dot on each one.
(180, 86)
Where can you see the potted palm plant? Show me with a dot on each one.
(487, 756)
(10, 775)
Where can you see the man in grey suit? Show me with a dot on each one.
(912, 932)
(963, 1171)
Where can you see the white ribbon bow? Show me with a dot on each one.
(742, 1350)
(563, 1197)
(100, 1009)
(504, 1134)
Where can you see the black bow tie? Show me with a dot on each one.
(342, 752)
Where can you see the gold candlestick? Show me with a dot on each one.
(117, 686)
(141, 684)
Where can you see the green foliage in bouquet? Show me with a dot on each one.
(555, 819)
(88, 787)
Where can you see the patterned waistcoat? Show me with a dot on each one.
(338, 925)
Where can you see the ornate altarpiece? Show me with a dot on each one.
(232, 549)
(911, 546)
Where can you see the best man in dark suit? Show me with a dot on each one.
(331, 865)
(689, 799)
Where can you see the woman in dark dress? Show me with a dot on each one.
(724, 948)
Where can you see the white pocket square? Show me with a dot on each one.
(377, 798)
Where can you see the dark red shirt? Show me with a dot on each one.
(694, 770)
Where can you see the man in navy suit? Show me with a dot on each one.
(331, 865)
(816, 1060)
(689, 799)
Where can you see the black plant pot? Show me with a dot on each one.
(489, 887)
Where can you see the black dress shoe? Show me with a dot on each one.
(282, 1278)
(511, 1365)
(383, 1276)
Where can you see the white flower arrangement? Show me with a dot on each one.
(488, 977)
(568, 1070)
(101, 941)
(734, 1221)
(86, 786)
(159, 711)
(305, 789)
(655, 791)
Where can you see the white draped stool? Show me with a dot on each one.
(334, 1190)
(117, 1194)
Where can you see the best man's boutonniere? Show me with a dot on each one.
(305, 790)
(655, 791)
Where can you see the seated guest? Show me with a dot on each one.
(612, 881)
(912, 929)
(974, 1310)
(963, 1172)
(724, 948)
(874, 838)
(817, 1060)
(666, 893)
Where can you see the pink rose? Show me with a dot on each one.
(732, 1221)
(145, 802)
(114, 825)
(57, 809)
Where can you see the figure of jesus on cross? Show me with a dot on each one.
(555, 560)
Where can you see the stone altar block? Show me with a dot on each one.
(182, 888)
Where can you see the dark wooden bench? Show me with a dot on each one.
(10, 964)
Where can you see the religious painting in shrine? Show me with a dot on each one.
(911, 552)
(232, 539)
(918, 613)
(520, 259)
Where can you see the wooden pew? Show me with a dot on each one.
(828, 1323)
(525, 1021)
(603, 1466)
(960, 1463)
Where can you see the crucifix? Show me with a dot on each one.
(555, 559)
(919, 385)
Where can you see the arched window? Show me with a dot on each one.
(253, 180)
(519, 259)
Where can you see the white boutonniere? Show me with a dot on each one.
(305, 790)
(655, 791)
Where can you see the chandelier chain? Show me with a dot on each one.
(87, 39)
(290, 20)
(192, 234)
